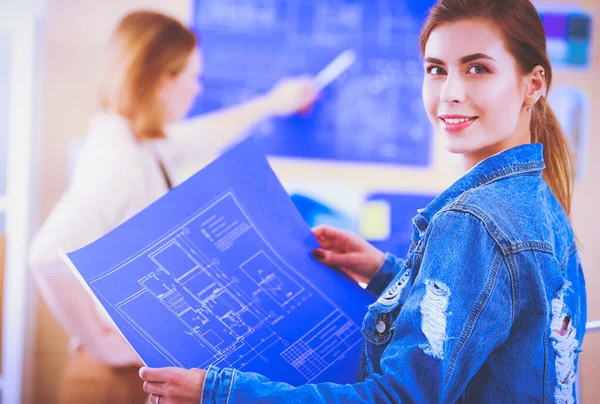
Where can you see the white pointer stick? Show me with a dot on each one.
(335, 68)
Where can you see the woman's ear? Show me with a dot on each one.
(536, 84)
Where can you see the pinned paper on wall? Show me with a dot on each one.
(376, 220)
(568, 32)
(387, 219)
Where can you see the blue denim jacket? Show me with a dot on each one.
(488, 307)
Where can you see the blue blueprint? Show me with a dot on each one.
(219, 271)
(372, 113)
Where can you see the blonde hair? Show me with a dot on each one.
(145, 48)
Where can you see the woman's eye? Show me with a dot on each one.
(478, 69)
(435, 70)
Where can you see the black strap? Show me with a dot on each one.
(163, 170)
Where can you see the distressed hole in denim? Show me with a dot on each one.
(393, 293)
(566, 348)
(433, 312)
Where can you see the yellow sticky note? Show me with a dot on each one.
(375, 220)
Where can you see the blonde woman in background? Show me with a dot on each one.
(135, 144)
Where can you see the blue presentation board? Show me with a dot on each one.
(372, 113)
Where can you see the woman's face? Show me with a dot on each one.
(178, 92)
(474, 96)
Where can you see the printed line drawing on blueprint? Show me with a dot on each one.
(217, 284)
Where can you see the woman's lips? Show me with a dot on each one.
(457, 123)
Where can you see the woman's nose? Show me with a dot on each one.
(453, 90)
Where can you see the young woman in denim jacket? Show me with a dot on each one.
(489, 305)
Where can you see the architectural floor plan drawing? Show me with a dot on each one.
(226, 281)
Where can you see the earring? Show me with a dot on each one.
(529, 109)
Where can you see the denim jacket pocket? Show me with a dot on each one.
(378, 324)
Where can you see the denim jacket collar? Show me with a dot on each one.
(521, 159)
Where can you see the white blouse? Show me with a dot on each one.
(115, 178)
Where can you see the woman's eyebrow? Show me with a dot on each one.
(463, 60)
(434, 61)
(475, 56)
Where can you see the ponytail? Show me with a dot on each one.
(559, 172)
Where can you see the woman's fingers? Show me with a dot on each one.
(159, 374)
(324, 231)
(330, 237)
(334, 259)
(173, 385)
(157, 398)
(155, 388)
